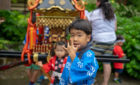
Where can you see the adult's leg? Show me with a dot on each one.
(106, 73)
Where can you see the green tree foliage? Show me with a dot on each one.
(90, 7)
(130, 29)
(125, 11)
(14, 27)
(13, 30)
(135, 3)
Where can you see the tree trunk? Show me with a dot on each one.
(5, 4)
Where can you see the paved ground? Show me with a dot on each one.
(17, 76)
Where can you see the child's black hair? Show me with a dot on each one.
(120, 37)
(107, 9)
(81, 24)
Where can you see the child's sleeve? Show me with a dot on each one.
(48, 66)
(118, 51)
(83, 69)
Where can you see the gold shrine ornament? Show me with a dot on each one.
(35, 57)
(81, 3)
(30, 3)
(40, 1)
(62, 2)
(51, 2)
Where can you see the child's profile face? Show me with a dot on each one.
(120, 43)
(79, 38)
(59, 51)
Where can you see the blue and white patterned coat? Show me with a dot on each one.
(80, 71)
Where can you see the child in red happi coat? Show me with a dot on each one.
(119, 52)
(56, 63)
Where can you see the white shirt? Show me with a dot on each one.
(103, 30)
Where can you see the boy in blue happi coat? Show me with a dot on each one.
(81, 66)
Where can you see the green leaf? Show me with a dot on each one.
(68, 36)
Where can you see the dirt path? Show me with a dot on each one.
(17, 76)
(126, 80)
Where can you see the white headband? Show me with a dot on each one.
(120, 40)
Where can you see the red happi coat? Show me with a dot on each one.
(50, 66)
(119, 52)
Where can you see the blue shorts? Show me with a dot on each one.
(119, 70)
